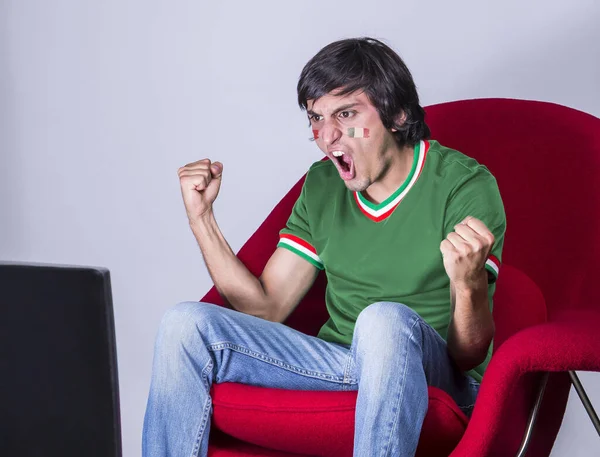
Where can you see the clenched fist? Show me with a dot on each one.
(200, 183)
(465, 252)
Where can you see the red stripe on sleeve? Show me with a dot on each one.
(300, 241)
(495, 260)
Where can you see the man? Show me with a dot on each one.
(409, 233)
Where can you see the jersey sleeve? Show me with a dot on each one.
(478, 195)
(296, 235)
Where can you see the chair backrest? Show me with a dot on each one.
(518, 304)
(58, 369)
(546, 158)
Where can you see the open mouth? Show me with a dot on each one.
(344, 164)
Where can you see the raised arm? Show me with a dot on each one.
(286, 278)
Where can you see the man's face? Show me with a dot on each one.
(366, 156)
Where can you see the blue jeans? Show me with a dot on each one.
(394, 356)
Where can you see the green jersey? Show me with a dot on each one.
(391, 251)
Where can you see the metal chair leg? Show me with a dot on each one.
(585, 400)
(534, 412)
(533, 416)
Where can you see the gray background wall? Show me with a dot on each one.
(101, 102)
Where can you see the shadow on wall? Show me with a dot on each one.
(10, 210)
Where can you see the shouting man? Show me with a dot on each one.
(409, 233)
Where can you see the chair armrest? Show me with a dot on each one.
(571, 341)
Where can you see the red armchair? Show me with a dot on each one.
(546, 159)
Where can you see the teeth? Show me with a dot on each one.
(337, 153)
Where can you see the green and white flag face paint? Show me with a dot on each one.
(358, 132)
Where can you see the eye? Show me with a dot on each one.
(347, 114)
(315, 117)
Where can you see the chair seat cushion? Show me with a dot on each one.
(318, 423)
(222, 445)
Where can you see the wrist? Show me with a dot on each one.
(473, 287)
(202, 222)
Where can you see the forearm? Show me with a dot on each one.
(232, 279)
(471, 326)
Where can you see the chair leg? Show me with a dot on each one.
(585, 400)
(533, 416)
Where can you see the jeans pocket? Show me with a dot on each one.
(468, 410)
(474, 391)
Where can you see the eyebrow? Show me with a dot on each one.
(341, 108)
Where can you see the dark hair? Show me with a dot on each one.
(366, 64)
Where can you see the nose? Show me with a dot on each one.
(330, 132)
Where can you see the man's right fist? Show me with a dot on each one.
(200, 182)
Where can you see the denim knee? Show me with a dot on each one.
(182, 323)
(381, 327)
(379, 316)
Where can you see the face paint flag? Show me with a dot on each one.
(358, 132)
(316, 134)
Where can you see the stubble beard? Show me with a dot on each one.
(357, 184)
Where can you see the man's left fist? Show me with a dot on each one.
(465, 252)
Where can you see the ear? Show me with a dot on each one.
(399, 120)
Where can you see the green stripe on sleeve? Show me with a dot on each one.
(301, 254)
